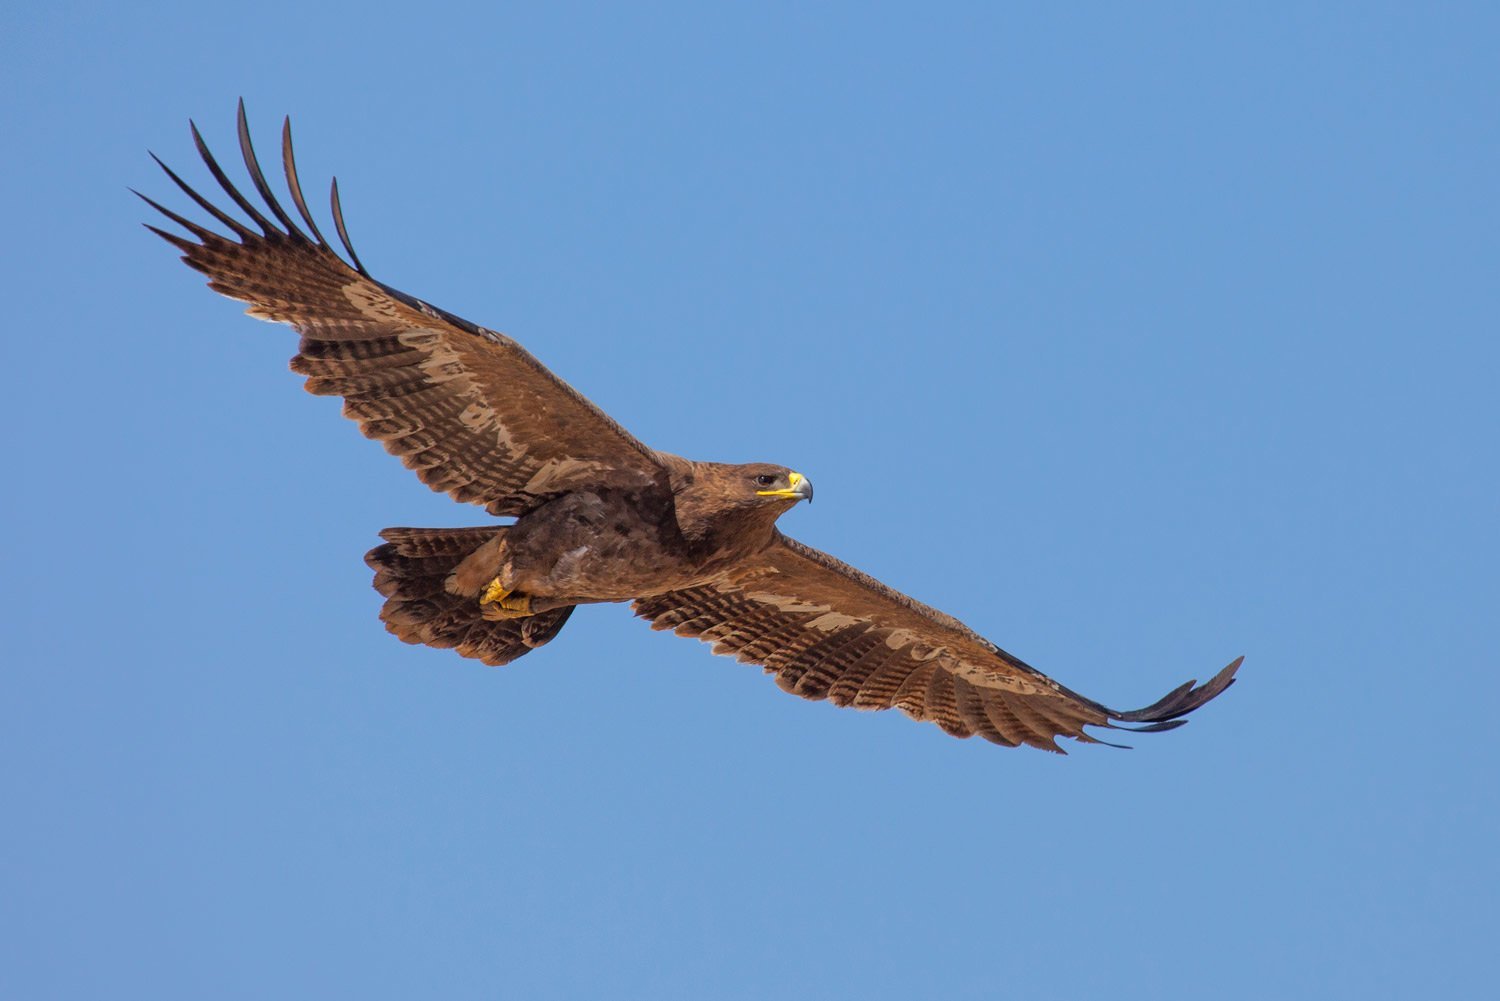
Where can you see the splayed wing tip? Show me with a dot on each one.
(268, 228)
(1179, 702)
(284, 228)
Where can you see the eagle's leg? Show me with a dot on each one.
(498, 603)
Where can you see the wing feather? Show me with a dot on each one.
(470, 410)
(827, 631)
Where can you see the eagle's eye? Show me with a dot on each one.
(765, 481)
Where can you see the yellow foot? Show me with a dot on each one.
(498, 603)
(493, 592)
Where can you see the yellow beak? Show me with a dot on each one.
(799, 487)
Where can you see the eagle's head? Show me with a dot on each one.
(775, 484)
(736, 502)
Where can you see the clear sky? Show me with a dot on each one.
(1137, 336)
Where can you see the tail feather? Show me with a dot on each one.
(411, 569)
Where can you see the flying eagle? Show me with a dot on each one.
(599, 516)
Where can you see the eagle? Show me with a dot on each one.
(594, 515)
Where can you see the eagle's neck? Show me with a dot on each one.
(716, 528)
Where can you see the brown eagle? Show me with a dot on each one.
(599, 516)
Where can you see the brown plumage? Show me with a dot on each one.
(598, 515)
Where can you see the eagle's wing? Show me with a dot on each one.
(828, 631)
(468, 409)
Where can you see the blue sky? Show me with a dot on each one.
(1137, 336)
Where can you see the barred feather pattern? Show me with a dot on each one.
(826, 631)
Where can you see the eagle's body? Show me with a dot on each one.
(593, 545)
(623, 543)
(599, 516)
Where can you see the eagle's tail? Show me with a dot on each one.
(410, 570)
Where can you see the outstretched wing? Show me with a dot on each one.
(468, 409)
(827, 631)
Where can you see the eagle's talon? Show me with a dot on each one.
(493, 592)
(498, 612)
(497, 603)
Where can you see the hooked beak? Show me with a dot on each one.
(799, 488)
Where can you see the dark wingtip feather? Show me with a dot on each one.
(1165, 712)
(267, 227)
(239, 228)
(187, 224)
(1154, 727)
(294, 184)
(186, 246)
(338, 222)
(258, 177)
